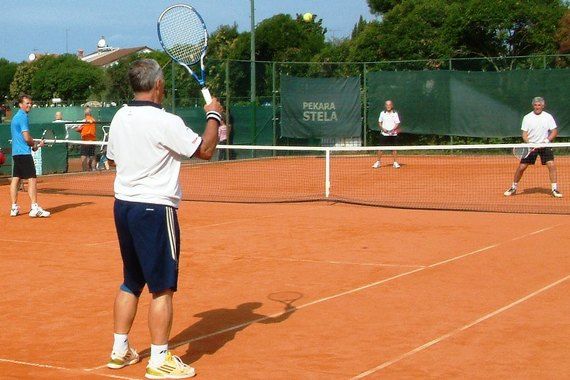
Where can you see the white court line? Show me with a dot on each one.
(348, 292)
(460, 329)
(296, 260)
(74, 370)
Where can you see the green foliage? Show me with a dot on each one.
(431, 29)
(22, 81)
(563, 34)
(117, 81)
(7, 71)
(280, 38)
(221, 45)
(412, 30)
(505, 28)
(382, 6)
(64, 76)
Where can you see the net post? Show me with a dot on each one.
(365, 101)
(327, 172)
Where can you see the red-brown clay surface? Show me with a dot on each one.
(387, 293)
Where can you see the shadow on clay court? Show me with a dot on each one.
(214, 322)
(60, 208)
(535, 190)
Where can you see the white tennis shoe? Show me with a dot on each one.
(396, 165)
(119, 361)
(38, 212)
(511, 191)
(376, 164)
(15, 211)
(556, 193)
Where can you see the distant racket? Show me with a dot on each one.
(184, 37)
(523, 152)
(48, 137)
(287, 298)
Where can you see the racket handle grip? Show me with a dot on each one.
(206, 95)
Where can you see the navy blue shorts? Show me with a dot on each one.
(149, 238)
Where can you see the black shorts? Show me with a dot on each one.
(24, 167)
(388, 140)
(88, 150)
(545, 154)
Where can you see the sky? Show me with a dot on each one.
(64, 26)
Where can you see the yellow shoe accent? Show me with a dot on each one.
(120, 361)
(171, 368)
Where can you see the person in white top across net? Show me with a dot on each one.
(389, 124)
(538, 127)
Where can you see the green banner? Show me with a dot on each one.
(320, 107)
(475, 104)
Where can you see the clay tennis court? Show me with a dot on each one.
(382, 292)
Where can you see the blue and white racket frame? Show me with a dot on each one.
(202, 78)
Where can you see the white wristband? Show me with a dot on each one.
(214, 115)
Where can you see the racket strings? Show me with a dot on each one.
(183, 34)
(521, 152)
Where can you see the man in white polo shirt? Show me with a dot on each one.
(389, 124)
(147, 144)
(538, 127)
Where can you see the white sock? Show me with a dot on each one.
(554, 186)
(157, 354)
(121, 344)
(14, 205)
(515, 185)
(34, 205)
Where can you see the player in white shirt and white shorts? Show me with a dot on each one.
(389, 124)
(147, 144)
(538, 127)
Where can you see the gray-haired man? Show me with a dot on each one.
(147, 144)
(538, 127)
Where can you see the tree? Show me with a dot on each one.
(22, 81)
(563, 34)
(117, 81)
(221, 45)
(7, 71)
(506, 28)
(280, 38)
(382, 6)
(431, 29)
(64, 76)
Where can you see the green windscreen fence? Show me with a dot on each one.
(250, 126)
(320, 107)
(475, 104)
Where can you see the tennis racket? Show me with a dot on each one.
(184, 37)
(523, 152)
(48, 138)
(287, 298)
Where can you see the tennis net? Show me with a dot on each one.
(450, 177)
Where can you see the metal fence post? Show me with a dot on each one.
(273, 103)
(173, 87)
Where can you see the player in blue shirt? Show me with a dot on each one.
(24, 168)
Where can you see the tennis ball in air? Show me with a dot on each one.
(308, 17)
